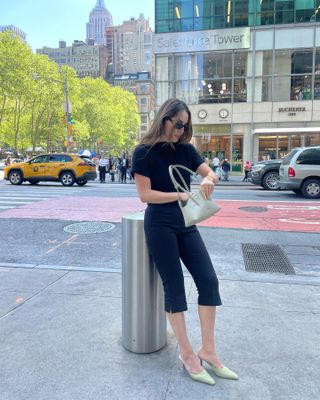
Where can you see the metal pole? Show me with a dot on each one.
(144, 327)
(66, 89)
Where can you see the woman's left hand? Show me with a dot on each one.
(206, 187)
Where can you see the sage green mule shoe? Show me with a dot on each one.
(223, 372)
(202, 376)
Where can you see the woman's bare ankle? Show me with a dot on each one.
(209, 354)
(191, 361)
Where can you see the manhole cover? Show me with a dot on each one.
(254, 209)
(266, 258)
(86, 228)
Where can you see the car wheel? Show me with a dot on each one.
(15, 177)
(271, 180)
(82, 183)
(67, 179)
(297, 191)
(311, 188)
(33, 182)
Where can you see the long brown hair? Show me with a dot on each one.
(167, 111)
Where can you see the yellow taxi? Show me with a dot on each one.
(66, 168)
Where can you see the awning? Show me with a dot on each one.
(288, 131)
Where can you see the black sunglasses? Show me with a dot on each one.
(179, 125)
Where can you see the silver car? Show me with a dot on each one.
(300, 172)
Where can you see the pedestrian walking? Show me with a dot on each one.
(226, 169)
(168, 240)
(247, 168)
(112, 172)
(102, 169)
(123, 169)
(7, 161)
(215, 163)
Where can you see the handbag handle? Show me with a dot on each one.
(176, 184)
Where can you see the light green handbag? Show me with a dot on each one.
(196, 208)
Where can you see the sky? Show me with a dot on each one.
(47, 21)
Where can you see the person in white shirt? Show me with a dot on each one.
(215, 163)
(102, 169)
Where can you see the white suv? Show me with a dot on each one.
(300, 172)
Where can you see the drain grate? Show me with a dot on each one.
(266, 258)
(87, 228)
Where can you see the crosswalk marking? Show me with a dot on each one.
(25, 198)
(14, 199)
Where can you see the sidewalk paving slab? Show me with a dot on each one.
(65, 341)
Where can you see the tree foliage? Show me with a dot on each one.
(32, 96)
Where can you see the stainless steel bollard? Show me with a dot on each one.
(144, 326)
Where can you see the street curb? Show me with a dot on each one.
(239, 276)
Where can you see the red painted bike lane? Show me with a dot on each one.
(256, 215)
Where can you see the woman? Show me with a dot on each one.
(247, 168)
(168, 240)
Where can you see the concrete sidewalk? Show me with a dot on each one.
(61, 337)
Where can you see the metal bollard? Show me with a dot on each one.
(144, 326)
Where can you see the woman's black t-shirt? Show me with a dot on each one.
(153, 162)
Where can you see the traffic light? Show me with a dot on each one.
(71, 121)
(63, 120)
(70, 129)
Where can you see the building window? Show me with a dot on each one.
(188, 15)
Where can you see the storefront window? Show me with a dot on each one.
(186, 67)
(213, 145)
(301, 62)
(240, 90)
(164, 91)
(240, 63)
(282, 88)
(263, 89)
(274, 147)
(187, 91)
(267, 148)
(312, 140)
(283, 62)
(164, 68)
(317, 87)
(215, 91)
(215, 65)
(301, 87)
(267, 63)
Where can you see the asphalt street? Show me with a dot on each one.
(60, 304)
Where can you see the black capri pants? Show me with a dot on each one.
(169, 241)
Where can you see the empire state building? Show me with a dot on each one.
(99, 19)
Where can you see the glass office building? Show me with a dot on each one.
(248, 69)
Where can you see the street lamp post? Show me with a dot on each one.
(67, 107)
(67, 110)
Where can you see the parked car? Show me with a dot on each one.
(300, 172)
(66, 168)
(266, 174)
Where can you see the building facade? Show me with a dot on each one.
(85, 59)
(100, 18)
(132, 46)
(248, 69)
(142, 86)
